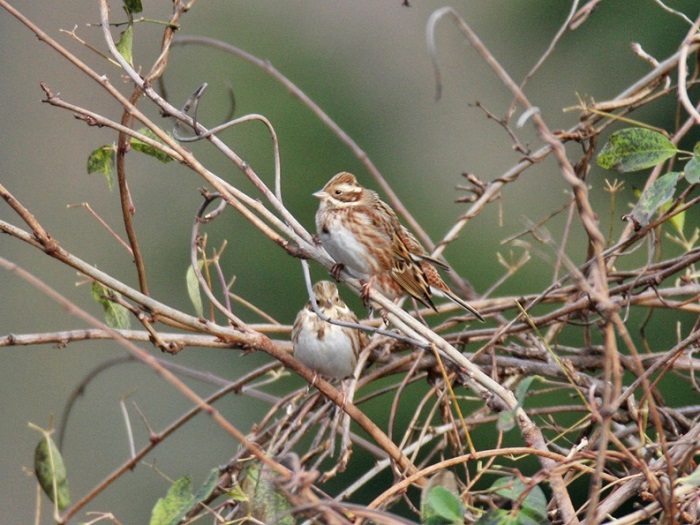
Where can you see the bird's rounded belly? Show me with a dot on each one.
(343, 245)
(331, 356)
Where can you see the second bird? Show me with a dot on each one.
(362, 233)
(328, 349)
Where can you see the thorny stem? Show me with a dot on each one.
(603, 291)
(146, 358)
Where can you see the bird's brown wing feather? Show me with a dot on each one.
(409, 274)
(415, 248)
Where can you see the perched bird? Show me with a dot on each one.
(363, 234)
(326, 348)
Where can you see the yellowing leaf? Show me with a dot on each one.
(126, 43)
(655, 196)
(116, 316)
(149, 150)
(167, 510)
(102, 161)
(179, 500)
(634, 149)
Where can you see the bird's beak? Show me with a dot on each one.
(319, 194)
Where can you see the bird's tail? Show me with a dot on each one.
(461, 302)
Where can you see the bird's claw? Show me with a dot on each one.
(335, 271)
(364, 294)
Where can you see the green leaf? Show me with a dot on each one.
(116, 316)
(126, 43)
(237, 494)
(677, 221)
(167, 510)
(133, 6)
(439, 500)
(193, 289)
(522, 388)
(655, 196)
(693, 479)
(692, 169)
(633, 149)
(102, 161)
(266, 503)
(141, 146)
(497, 517)
(51, 472)
(207, 487)
(535, 504)
(533, 508)
(179, 500)
(506, 418)
(508, 487)
(442, 507)
(529, 516)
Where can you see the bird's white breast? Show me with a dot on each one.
(331, 356)
(344, 246)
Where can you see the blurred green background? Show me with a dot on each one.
(365, 63)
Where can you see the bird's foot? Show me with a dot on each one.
(336, 269)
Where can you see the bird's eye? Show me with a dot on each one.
(338, 192)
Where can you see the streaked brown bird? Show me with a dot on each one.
(363, 234)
